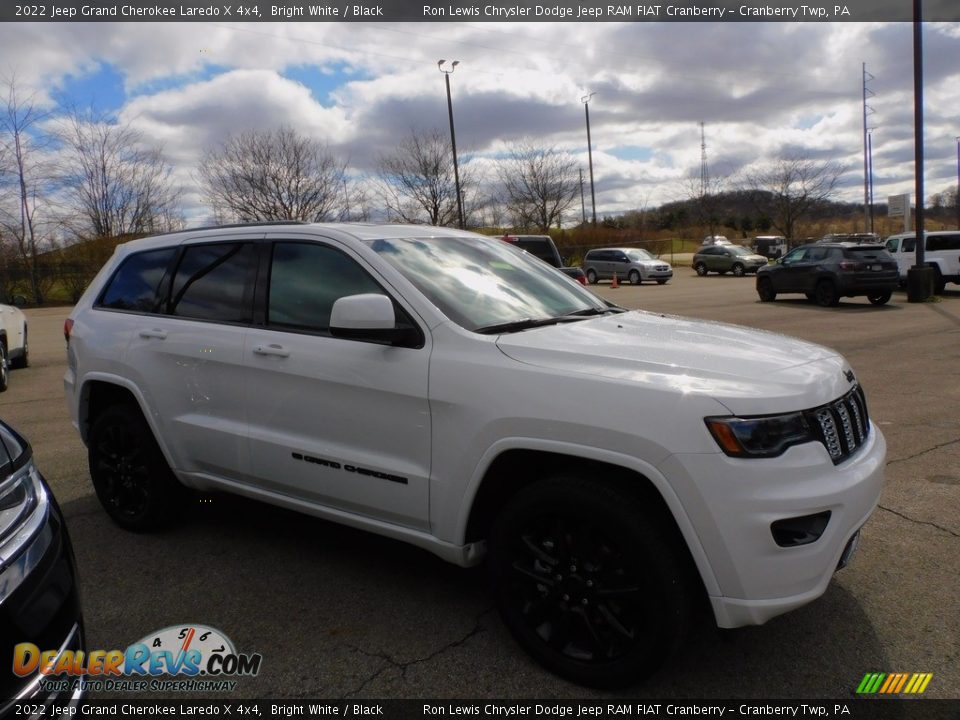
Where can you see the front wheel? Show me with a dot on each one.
(738, 270)
(634, 277)
(661, 282)
(24, 359)
(879, 298)
(590, 580)
(130, 475)
(826, 294)
(4, 368)
(701, 269)
(591, 276)
(765, 290)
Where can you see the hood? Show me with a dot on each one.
(749, 371)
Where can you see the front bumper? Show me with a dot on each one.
(733, 503)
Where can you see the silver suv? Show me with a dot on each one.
(633, 264)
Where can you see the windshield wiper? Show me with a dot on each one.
(589, 312)
(524, 324)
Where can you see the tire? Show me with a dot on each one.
(4, 368)
(738, 270)
(130, 475)
(634, 277)
(592, 276)
(24, 359)
(701, 269)
(661, 282)
(826, 294)
(879, 298)
(765, 290)
(811, 297)
(591, 581)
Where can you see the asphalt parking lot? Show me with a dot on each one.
(341, 614)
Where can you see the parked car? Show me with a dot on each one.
(727, 258)
(14, 351)
(826, 272)
(416, 382)
(633, 264)
(941, 252)
(770, 246)
(716, 240)
(39, 600)
(544, 248)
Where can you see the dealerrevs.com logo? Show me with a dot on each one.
(177, 658)
(894, 683)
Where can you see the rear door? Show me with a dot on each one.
(336, 422)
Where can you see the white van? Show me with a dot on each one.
(942, 253)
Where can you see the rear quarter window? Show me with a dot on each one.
(135, 286)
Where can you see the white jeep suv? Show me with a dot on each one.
(445, 389)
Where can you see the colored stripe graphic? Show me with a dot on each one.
(894, 683)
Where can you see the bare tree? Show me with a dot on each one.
(791, 188)
(539, 185)
(115, 183)
(706, 197)
(26, 179)
(273, 175)
(418, 181)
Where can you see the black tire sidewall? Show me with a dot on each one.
(162, 488)
(661, 563)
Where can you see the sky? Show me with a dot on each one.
(762, 90)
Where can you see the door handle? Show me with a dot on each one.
(278, 350)
(154, 333)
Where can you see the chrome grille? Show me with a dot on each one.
(843, 425)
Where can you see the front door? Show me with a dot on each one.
(336, 422)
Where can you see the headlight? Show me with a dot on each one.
(766, 436)
(23, 504)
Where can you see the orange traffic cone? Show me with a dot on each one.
(614, 284)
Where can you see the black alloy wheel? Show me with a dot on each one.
(590, 581)
(701, 269)
(130, 475)
(765, 289)
(826, 294)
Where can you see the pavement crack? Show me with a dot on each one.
(390, 663)
(924, 452)
(919, 522)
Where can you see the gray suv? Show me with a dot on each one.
(633, 264)
(727, 258)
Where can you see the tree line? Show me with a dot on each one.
(79, 175)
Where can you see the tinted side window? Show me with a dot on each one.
(215, 282)
(892, 244)
(943, 242)
(909, 245)
(135, 284)
(306, 279)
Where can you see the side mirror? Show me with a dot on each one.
(368, 317)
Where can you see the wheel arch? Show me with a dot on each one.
(515, 468)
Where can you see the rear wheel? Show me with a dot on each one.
(590, 580)
(592, 276)
(634, 277)
(700, 268)
(880, 298)
(738, 270)
(4, 367)
(765, 290)
(939, 284)
(826, 294)
(24, 359)
(130, 475)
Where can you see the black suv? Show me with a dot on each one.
(544, 248)
(827, 271)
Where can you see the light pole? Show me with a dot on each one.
(453, 135)
(956, 195)
(593, 198)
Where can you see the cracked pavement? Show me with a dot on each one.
(339, 614)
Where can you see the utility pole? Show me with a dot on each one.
(867, 110)
(583, 205)
(453, 137)
(956, 194)
(593, 198)
(704, 174)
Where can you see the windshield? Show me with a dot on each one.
(640, 254)
(740, 250)
(479, 283)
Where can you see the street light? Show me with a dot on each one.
(453, 135)
(593, 198)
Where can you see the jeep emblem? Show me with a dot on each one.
(848, 374)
